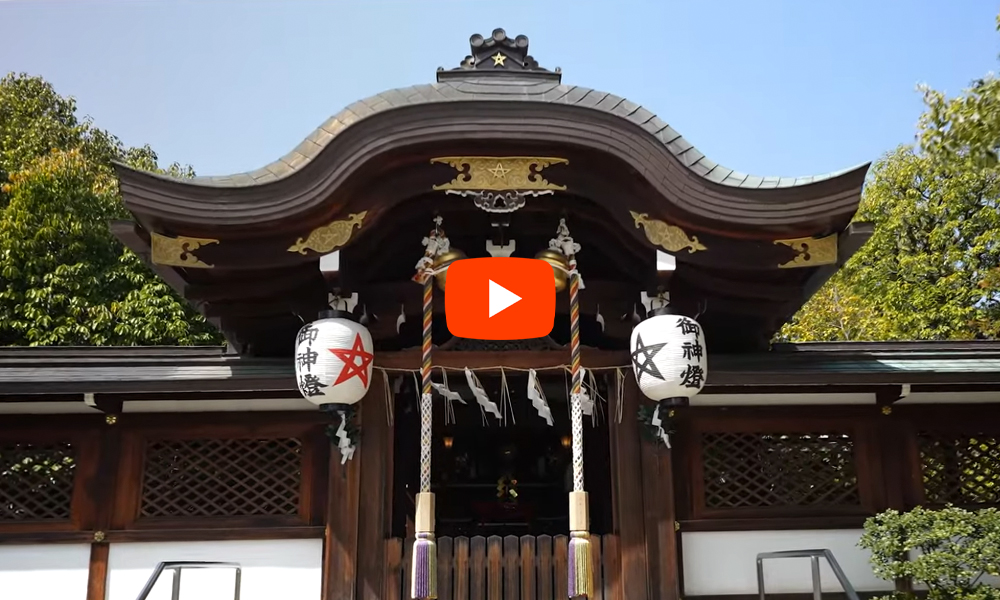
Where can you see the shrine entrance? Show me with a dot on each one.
(507, 475)
(501, 486)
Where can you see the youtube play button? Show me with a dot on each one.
(500, 298)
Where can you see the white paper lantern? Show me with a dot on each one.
(334, 359)
(669, 356)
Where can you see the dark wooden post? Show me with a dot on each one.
(375, 511)
(100, 486)
(627, 497)
(340, 540)
(661, 534)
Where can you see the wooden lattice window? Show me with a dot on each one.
(761, 470)
(36, 481)
(221, 478)
(960, 469)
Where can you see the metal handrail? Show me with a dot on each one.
(177, 566)
(814, 556)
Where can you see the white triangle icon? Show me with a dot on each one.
(501, 298)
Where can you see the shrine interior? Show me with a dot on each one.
(504, 476)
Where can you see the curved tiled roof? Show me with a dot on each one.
(502, 89)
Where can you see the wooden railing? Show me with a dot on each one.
(504, 568)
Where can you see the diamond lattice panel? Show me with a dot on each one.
(960, 470)
(754, 470)
(221, 478)
(36, 481)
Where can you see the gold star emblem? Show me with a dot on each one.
(499, 171)
(498, 60)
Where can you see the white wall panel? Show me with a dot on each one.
(50, 572)
(725, 562)
(272, 569)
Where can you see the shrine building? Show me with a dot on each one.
(411, 463)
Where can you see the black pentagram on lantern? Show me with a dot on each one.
(642, 357)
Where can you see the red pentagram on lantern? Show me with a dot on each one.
(351, 367)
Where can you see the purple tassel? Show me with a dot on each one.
(424, 582)
(580, 579)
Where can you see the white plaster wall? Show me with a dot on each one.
(285, 569)
(50, 572)
(725, 562)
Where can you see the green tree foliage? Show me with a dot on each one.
(949, 551)
(967, 126)
(932, 269)
(64, 279)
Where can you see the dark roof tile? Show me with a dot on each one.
(515, 88)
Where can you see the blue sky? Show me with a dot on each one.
(769, 87)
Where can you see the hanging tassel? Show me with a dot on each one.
(580, 568)
(423, 585)
(580, 577)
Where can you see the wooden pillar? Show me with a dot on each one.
(375, 511)
(97, 580)
(661, 534)
(340, 540)
(100, 491)
(627, 497)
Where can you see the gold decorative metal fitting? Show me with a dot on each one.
(499, 173)
(179, 251)
(811, 252)
(669, 237)
(677, 526)
(886, 410)
(99, 536)
(331, 236)
(111, 419)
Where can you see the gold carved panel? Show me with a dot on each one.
(811, 252)
(178, 251)
(331, 236)
(669, 237)
(499, 173)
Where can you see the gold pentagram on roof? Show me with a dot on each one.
(499, 171)
(498, 59)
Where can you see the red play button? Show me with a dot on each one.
(500, 298)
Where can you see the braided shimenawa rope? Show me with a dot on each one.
(426, 407)
(423, 584)
(576, 401)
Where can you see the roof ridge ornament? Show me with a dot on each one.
(499, 54)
